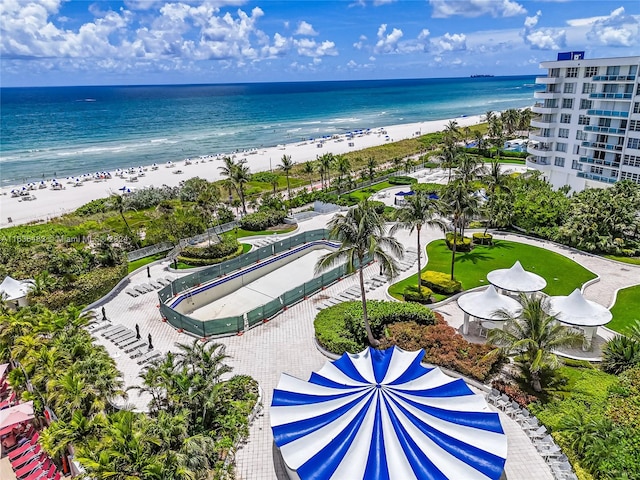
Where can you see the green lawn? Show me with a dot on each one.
(144, 261)
(626, 309)
(368, 191)
(183, 266)
(630, 260)
(246, 233)
(562, 274)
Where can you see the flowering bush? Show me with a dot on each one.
(514, 392)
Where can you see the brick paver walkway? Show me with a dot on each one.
(285, 344)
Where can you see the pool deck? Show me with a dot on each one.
(286, 344)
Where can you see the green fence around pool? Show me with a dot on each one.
(240, 323)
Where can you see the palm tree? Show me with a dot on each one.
(207, 204)
(371, 167)
(343, 165)
(286, 164)
(362, 233)
(418, 211)
(326, 162)
(226, 170)
(118, 204)
(240, 176)
(458, 201)
(532, 337)
(397, 163)
(469, 169)
(524, 120)
(450, 155)
(308, 170)
(408, 165)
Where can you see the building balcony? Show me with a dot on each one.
(608, 113)
(611, 130)
(548, 80)
(597, 161)
(602, 146)
(538, 122)
(614, 78)
(615, 96)
(598, 178)
(538, 163)
(542, 95)
(540, 149)
(538, 136)
(542, 108)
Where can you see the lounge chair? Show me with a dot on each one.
(169, 278)
(34, 464)
(122, 344)
(156, 285)
(147, 287)
(121, 335)
(114, 332)
(140, 289)
(132, 292)
(96, 327)
(26, 458)
(126, 335)
(135, 346)
(26, 447)
(150, 355)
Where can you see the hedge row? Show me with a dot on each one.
(463, 244)
(482, 238)
(411, 294)
(258, 221)
(340, 328)
(401, 180)
(226, 246)
(440, 282)
(201, 262)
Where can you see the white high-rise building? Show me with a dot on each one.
(587, 123)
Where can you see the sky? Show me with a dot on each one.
(58, 42)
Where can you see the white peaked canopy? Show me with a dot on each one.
(12, 289)
(3, 369)
(578, 311)
(516, 279)
(485, 304)
(382, 415)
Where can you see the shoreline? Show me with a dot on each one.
(50, 203)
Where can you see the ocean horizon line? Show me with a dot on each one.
(372, 80)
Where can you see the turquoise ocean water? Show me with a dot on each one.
(65, 131)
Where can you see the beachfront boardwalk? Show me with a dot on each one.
(285, 344)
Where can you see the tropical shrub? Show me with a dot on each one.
(411, 294)
(191, 188)
(149, 197)
(339, 328)
(514, 392)
(620, 353)
(378, 206)
(463, 244)
(623, 406)
(440, 282)
(226, 249)
(225, 214)
(482, 238)
(100, 205)
(258, 221)
(443, 346)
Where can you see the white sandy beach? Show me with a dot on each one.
(52, 203)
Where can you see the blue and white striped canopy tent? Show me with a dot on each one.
(381, 415)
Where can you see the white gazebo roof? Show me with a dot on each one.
(485, 304)
(577, 310)
(12, 289)
(516, 279)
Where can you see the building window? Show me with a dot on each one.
(634, 177)
(636, 107)
(591, 72)
(580, 135)
(638, 89)
(561, 147)
(554, 72)
(634, 125)
(611, 70)
(559, 161)
(584, 120)
(585, 104)
(633, 143)
(575, 165)
(633, 69)
(565, 118)
(631, 160)
(572, 72)
(610, 88)
(569, 88)
(588, 88)
(597, 170)
(567, 103)
(563, 133)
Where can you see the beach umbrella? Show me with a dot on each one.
(123, 188)
(381, 414)
(23, 412)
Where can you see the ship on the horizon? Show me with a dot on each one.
(481, 76)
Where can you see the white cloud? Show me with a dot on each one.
(377, 3)
(387, 42)
(615, 30)
(449, 43)
(543, 38)
(476, 8)
(310, 48)
(305, 28)
(360, 43)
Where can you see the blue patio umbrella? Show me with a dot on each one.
(382, 415)
(405, 194)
